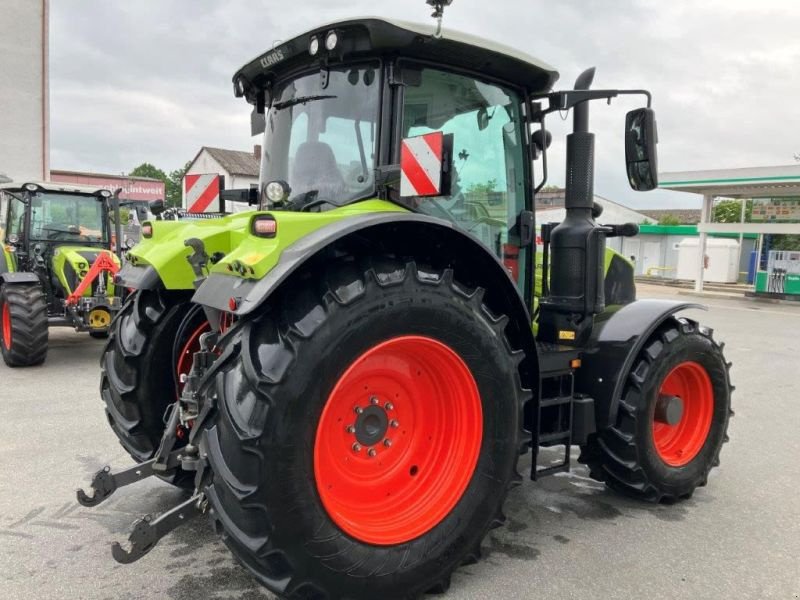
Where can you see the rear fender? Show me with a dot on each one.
(618, 336)
(410, 236)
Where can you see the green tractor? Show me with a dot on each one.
(56, 265)
(350, 374)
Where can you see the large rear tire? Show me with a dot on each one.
(140, 367)
(307, 491)
(23, 324)
(672, 420)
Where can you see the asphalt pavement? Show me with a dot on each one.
(567, 536)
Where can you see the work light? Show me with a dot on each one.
(331, 40)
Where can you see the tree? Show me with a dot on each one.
(785, 242)
(175, 185)
(148, 170)
(482, 189)
(730, 211)
(669, 219)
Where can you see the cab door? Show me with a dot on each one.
(488, 189)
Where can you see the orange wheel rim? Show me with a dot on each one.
(678, 444)
(6, 318)
(398, 440)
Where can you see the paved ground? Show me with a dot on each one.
(568, 538)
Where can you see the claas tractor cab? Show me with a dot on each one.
(351, 373)
(56, 265)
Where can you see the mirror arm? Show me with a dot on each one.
(559, 101)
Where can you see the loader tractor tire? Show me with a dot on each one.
(367, 433)
(23, 324)
(151, 342)
(672, 419)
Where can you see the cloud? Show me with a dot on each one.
(150, 80)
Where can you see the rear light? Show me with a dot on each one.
(264, 226)
(147, 230)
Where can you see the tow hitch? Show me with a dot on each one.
(190, 408)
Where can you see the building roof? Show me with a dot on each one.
(235, 162)
(103, 175)
(782, 180)
(685, 216)
(377, 36)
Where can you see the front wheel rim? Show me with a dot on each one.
(398, 440)
(678, 444)
(6, 318)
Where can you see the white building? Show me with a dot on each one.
(239, 169)
(24, 96)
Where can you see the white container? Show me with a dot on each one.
(722, 264)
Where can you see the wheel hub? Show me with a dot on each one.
(371, 425)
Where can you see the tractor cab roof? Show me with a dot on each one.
(52, 186)
(373, 37)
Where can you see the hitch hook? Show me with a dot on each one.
(147, 531)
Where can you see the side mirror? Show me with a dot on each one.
(426, 165)
(640, 149)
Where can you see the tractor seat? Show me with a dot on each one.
(315, 168)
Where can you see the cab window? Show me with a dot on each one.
(488, 189)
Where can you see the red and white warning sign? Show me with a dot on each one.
(421, 165)
(201, 192)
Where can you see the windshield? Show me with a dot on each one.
(321, 140)
(67, 217)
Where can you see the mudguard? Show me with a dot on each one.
(243, 296)
(12, 278)
(618, 336)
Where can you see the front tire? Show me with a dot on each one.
(139, 369)
(307, 491)
(648, 453)
(23, 324)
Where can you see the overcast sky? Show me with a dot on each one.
(151, 80)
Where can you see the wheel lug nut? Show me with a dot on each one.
(356, 447)
(358, 410)
(389, 406)
(387, 442)
(372, 453)
(350, 429)
(394, 423)
(373, 400)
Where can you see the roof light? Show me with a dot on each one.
(105, 193)
(147, 230)
(238, 87)
(31, 187)
(265, 226)
(277, 191)
(313, 46)
(331, 40)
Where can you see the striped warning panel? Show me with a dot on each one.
(421, 165)
(201, 192)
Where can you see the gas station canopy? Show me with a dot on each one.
(775, 191)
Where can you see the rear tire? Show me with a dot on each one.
(642, 457)
(278, 383)
(138, 377)
(23, 324)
